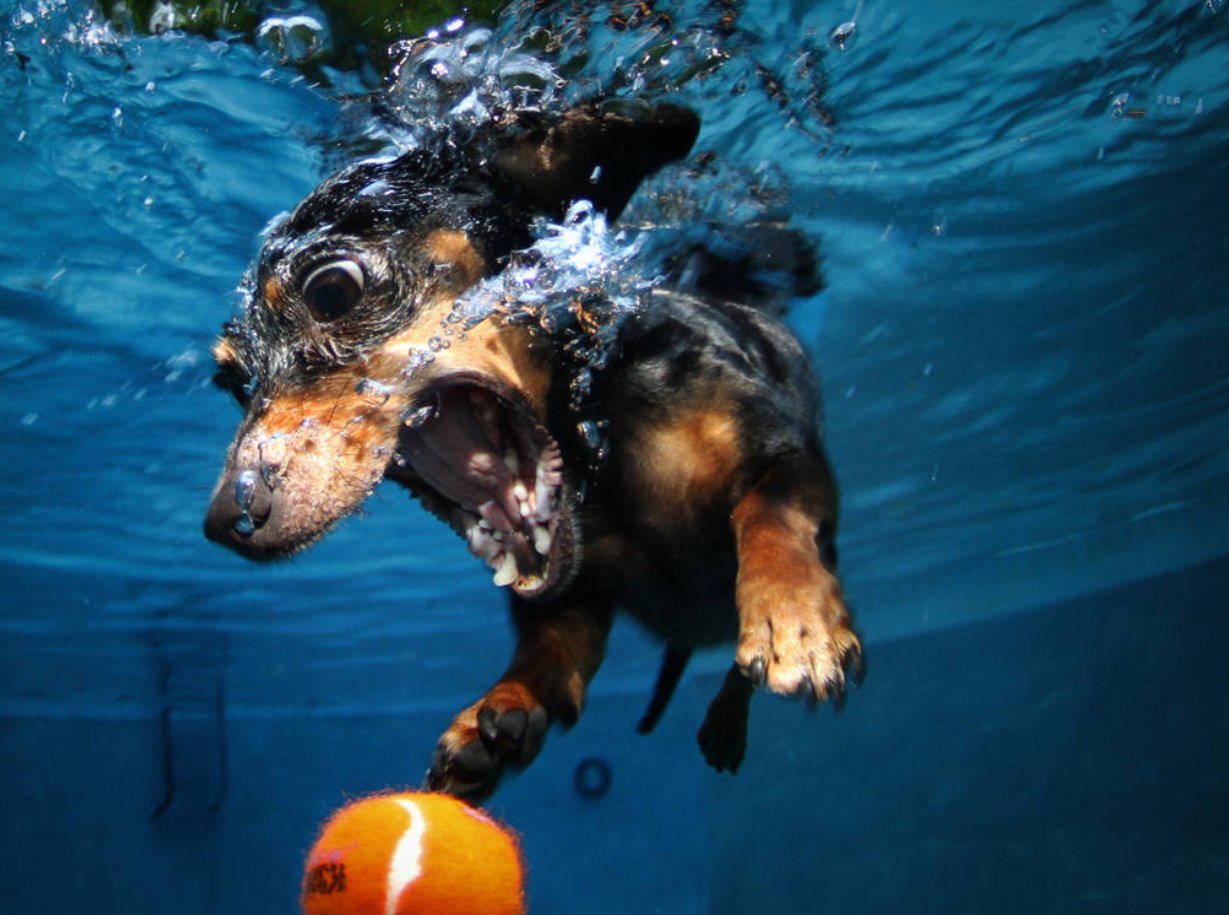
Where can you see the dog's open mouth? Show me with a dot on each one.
(484, 464)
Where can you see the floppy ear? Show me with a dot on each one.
(599, 153)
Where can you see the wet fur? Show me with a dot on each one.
(711, 519)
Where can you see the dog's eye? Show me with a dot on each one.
(332, 290)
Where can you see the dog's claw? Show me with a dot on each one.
(837, 695)
(854, 664)
(757, 672)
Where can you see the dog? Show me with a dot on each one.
(711, 515)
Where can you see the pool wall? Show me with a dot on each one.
(1059, 760)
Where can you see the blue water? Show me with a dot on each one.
(1023, 210)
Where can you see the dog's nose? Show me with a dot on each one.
(242, 505)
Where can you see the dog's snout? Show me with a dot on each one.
(242, 506)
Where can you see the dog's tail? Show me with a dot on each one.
(673, 663)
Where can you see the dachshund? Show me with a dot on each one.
(710, 515)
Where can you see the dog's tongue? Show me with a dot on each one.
(457, 451)
(497, 478)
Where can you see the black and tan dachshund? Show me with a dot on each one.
(710, 517)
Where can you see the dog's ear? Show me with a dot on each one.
(599, 153)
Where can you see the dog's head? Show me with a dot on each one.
(350, 366)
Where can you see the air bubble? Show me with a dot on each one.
(420, 357)
(369, 387)
(245, 495)
(293, 39)
(592, 432)
(272, 452)
(245, 489)
(420, 416)
(842, 37)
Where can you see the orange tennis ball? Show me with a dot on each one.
(413, 854)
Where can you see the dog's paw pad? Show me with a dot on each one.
(517, 733)
(472, 763)
(482, 741)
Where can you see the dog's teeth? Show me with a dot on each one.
(485, 524)
(482, 544)
(495, 515)
(506, 573)
(542, 498)
(541, 540)
(513, 462)
(521, 495)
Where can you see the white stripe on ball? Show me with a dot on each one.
(406, 864)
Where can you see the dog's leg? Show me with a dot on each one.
(794, 629)
(795, 632)
(558, 651)
(723, 736)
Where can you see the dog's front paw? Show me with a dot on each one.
(797, 640)
(506, 727)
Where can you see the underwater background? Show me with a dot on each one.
(1022, 211)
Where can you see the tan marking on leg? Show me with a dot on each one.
(794, 628)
